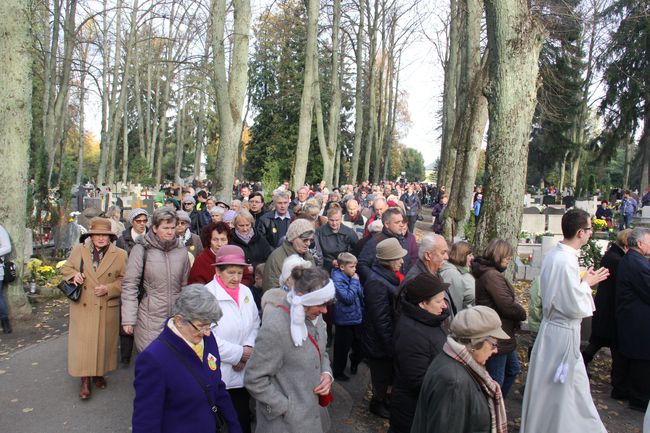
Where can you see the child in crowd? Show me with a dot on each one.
(256, 289)
(348, 316)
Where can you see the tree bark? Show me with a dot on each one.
(106, 56)
(452, 72)
(514, 41)
(15, 126)
(307, 99)
(372, 89)
(329, 155)
(358, 98)
(114, 104)
(229, 89)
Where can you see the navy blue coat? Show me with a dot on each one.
(369, 253)
(380, 297)
(603, 324)
(167, 396)
(349, 299)
(633, 306)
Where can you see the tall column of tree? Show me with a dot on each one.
(307, 100)
(15, 126)
(229, 88)
(358, 98)
(515, 39)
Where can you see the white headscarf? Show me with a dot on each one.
(298, 304)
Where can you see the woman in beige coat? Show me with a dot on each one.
(95, 318)
(160, 266)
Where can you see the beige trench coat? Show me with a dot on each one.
(94, 321)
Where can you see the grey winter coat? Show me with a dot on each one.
(282, 377)
(462, 284)
(165, 273)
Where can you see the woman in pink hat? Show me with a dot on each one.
(237, 329)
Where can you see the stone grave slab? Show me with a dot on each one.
(554, 224)
(532, 223)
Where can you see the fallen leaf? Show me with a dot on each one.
(28, 409)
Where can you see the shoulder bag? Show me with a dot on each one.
(10, 271)
(222, 426)
(71, 290)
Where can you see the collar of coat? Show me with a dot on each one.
(104, 265)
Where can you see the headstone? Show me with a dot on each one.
(532, 210)
(548, 243)
(569, 201)
(148, 205)
(645, 212)
(585, 205)
(548, 199)
(554, 224)
(92, 203)
(528, 200)
(533, 223)
(555, 210)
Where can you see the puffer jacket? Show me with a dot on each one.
(165, 273)
(380, 296)
(462, 284)
(349, 299)
(332, 243)
(495, 291)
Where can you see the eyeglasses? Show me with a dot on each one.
(203, 329)
(141, 221)
(492, 343)
(587, 229)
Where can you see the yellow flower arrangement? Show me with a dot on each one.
(599, 224)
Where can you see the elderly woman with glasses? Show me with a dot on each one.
(237, 328)
(458, 394)
(157, 270)
(178, 385)
(138, 219)
(299, 237)
(289, 373)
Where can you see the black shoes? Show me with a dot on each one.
(619, 395)
(379, 408)
(6, 326)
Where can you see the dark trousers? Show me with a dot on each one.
(381, 376)
(630, 378)
(346, 338)
(241, 401)
(411, 219)
(590, 351)
(4, 309)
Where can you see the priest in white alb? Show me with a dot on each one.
(557, 398)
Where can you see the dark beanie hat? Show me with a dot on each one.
(423, 287)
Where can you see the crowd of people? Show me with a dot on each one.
(233, 304)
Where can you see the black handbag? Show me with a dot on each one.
(71, 290)
(10, 271)
(222, 426)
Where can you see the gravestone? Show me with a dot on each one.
(148, 205)
(586, 205)
(556, 209)
(548, 199)
(554, 224)
(92, 203)
(528, 200)
(569, 201)
(645, 212)
(533, 223)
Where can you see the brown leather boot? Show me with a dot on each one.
(84, 390)
(99, 381)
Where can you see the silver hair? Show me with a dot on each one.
(217, 210)
(637, 234)
(428, 243)
(246, 215)
(235, 201)
(197, 304)
(307, 280)
(278, 194)
(162, 214)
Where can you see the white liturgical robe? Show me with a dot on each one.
(557, 398)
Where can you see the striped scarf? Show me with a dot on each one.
(491, 389)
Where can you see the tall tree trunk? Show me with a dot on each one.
(514, 40)
(307, 99)
(644, 144)
(57, 106)
(452, 72)
(358, 97)
(180, 145)
(372, 89)
(106, 56)
(335, 108)
(114, 103)
(563, 170)
(200, 126)
(82, 130)
(15, 126)
(230, 89)
(575, 167)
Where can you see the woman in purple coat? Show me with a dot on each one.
(173, 371)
